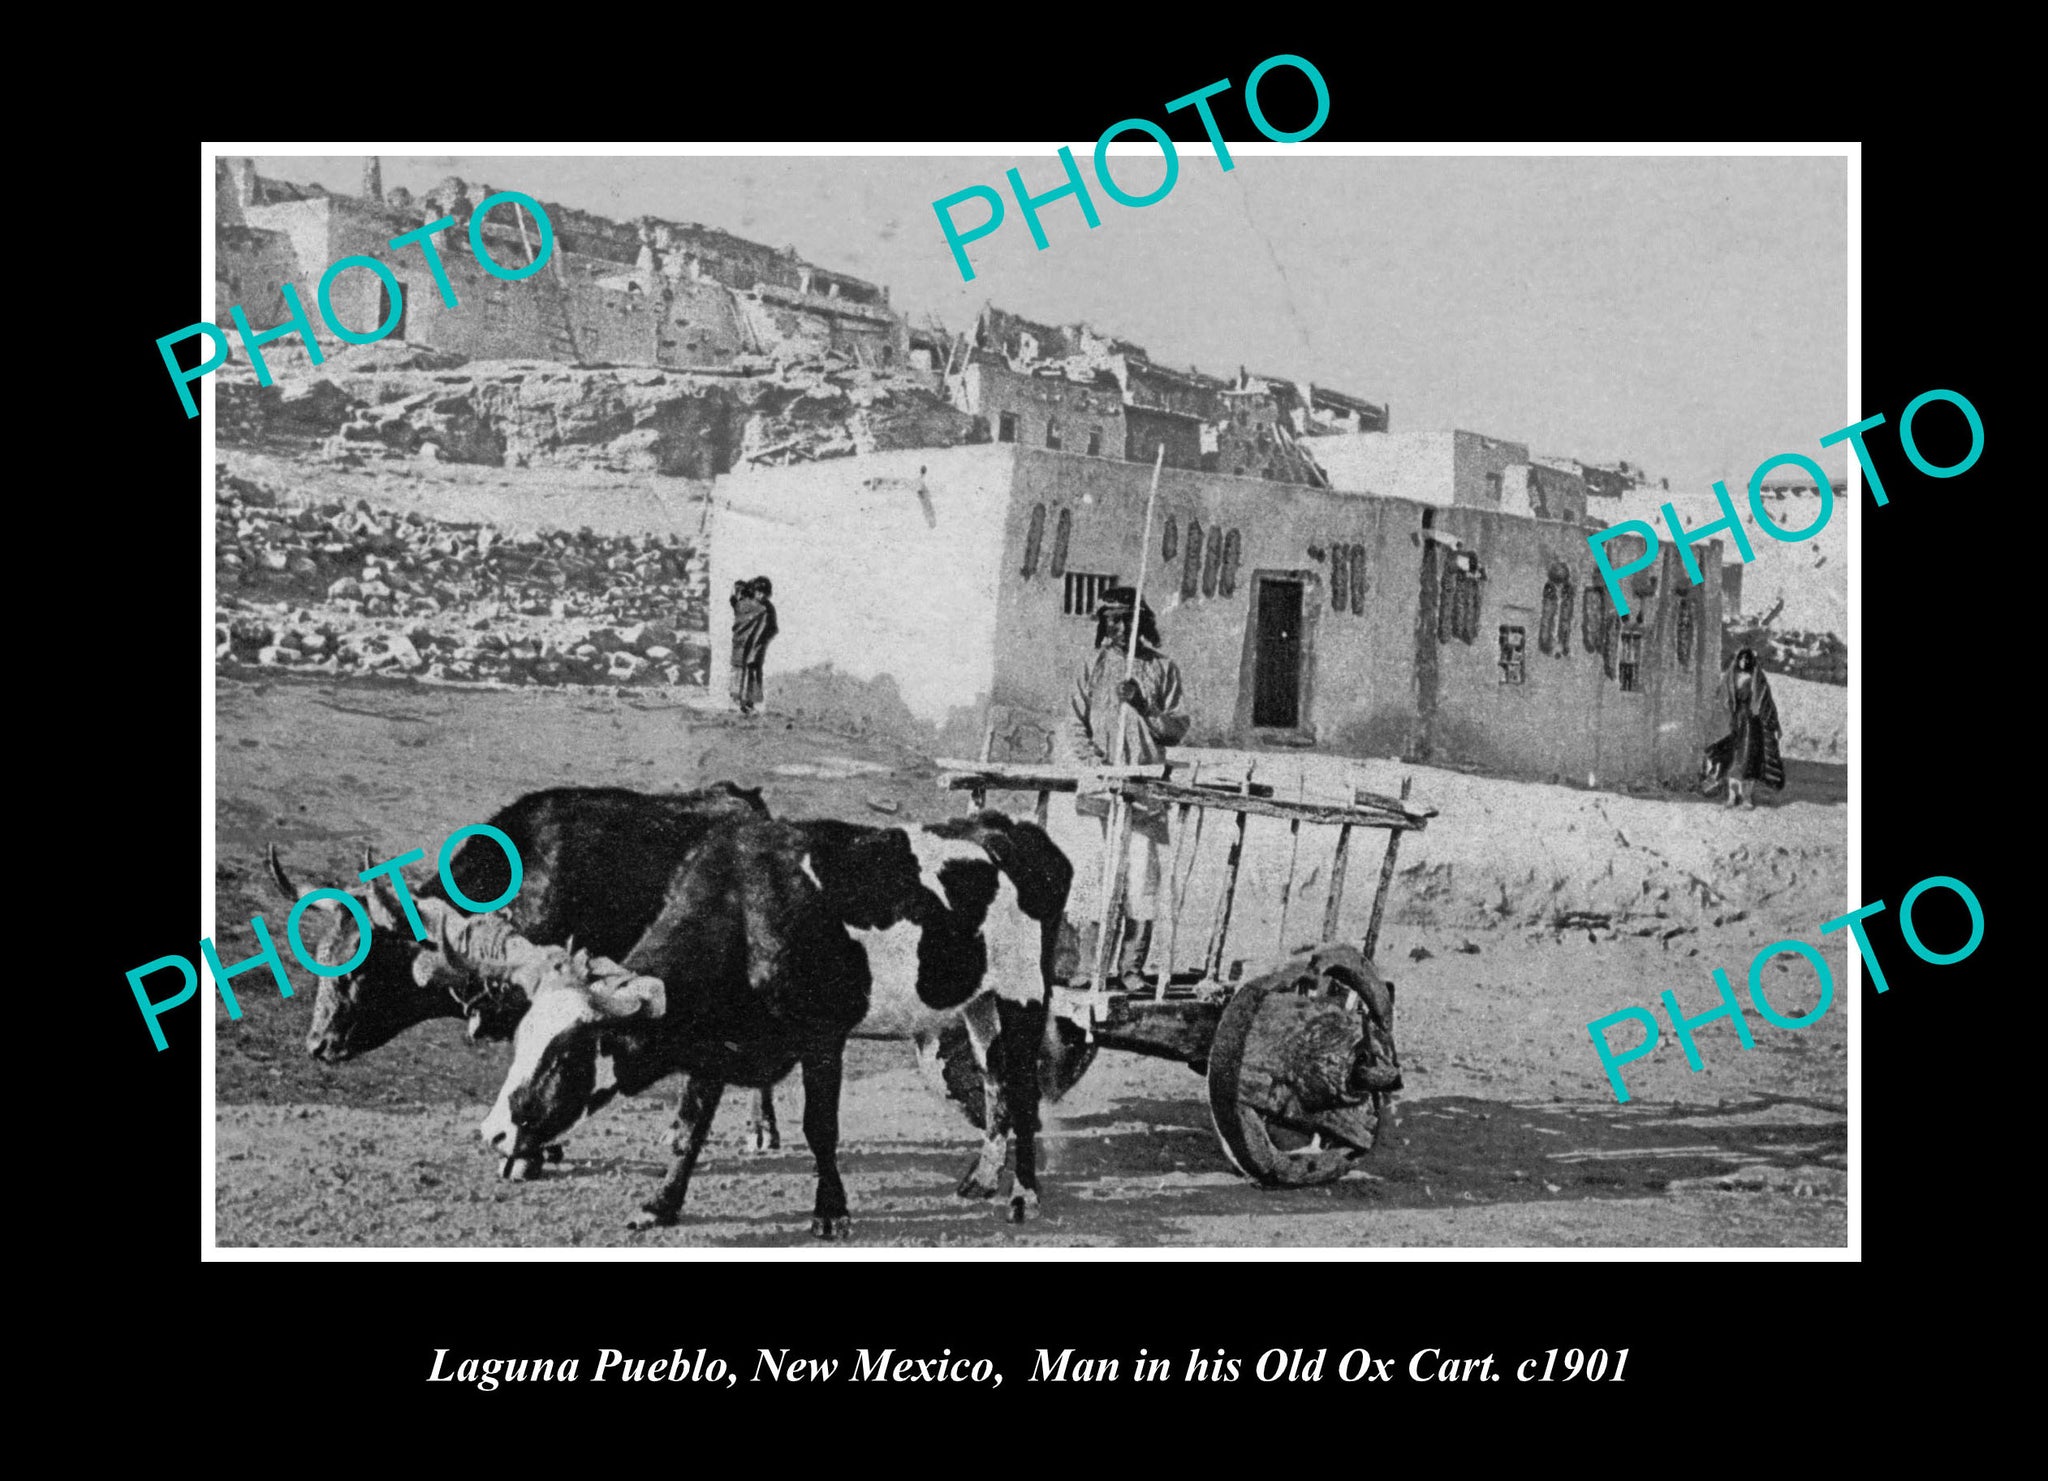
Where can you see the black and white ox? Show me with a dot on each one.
(776, 943)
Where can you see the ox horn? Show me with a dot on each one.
(385, 908)
(279, 877)
(284, 882)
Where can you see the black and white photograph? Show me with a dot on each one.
(1196, 735)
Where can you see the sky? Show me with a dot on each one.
(1687, 314)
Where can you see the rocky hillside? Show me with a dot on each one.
(341, 588)
(526, 414)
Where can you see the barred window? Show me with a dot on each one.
(1228, 578)
(1170, 542)
(1631, 659)
(1083, 590)
(1212, 562)
(1340, 577)
(1094, 442)
(1357, 579)
(1191, 558)
(1685, 621)
(1513, 641)
(1059, 542)
(1052, 433)
(1592, 620)
(1033, 539)
(1006, 426)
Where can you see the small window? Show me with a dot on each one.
(1357, 580)
(1493, 489)
(1227, 581)
(1059, 542)
(1052, 433)
(1191, 563)
(1340, 577)
(1212, 563)
(1429, 519)
(1686, 620)
(1512, 641)
(1083, 590)
(1094, 442)
(1632, 660)
(1006, 427)
(1169, 543)
(1033, 539)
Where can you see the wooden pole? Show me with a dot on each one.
(978, 796)
(1109, 916)
(1339, 862)
(1379, 899)
(1293, 858)
(1176, 887)
(1212, 956)
(1117, 844)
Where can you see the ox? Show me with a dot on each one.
(597, 862)
(778, 940)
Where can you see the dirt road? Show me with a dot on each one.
(1507, 1134)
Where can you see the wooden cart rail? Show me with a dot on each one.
(1283, 1118)
(1193, 800)
(1369, 810)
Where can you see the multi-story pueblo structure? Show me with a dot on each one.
(1324, 580)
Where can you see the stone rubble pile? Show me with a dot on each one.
(1819, 656)
(351, 589)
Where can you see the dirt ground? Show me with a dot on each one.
(1507, 1134)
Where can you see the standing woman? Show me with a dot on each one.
(753, 626)
(1752, 730)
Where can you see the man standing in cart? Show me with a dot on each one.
(1152, 695)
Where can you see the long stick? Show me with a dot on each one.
(1138, 603)
(1379, 899)
(1109, 918)
(1176, 887)
(1293, 858)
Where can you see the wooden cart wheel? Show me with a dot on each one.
(1255, 1041)
(955, 1075)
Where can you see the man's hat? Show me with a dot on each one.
(1120, 599)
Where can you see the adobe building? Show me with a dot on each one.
(647, 292)
(929, 593)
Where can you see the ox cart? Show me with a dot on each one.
(1299, 1058)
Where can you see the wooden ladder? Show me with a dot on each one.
(561, 331)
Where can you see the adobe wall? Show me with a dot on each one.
(1377, 682)
(884, 570)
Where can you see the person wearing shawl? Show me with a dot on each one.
(1152, 697)
(753, 627)
(1752, 741)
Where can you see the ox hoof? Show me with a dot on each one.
(765, 1142)
(824, 1228)
(1023, 1206)
(980, 1182)
(650, 1217)
(519, 1169)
